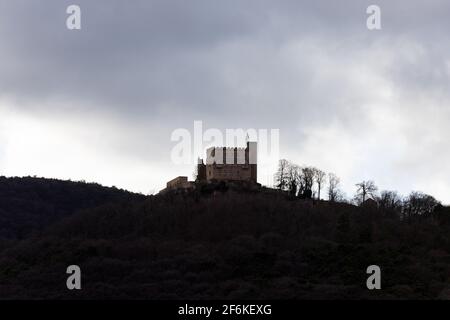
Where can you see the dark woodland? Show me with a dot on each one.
(219, 241)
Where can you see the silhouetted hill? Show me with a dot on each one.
(232, 244)
(29, 204)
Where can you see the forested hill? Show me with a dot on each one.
(30, 204)
(227, 244)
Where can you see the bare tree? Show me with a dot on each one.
(334, 192)
(293, 178)
(364, 190)
(418, 203)
(319, 177)
(300, 182)
(389, 200)
(307, 177)
(281, 176)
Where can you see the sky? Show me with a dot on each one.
(100, 104)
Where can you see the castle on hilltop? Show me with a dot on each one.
(222, 164)
(229, 164)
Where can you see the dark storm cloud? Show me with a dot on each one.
(158, 54)
(148, 67)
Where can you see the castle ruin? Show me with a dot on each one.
(222, 164)
(229, 164)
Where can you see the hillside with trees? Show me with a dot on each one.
(226, 241)
(29, 204)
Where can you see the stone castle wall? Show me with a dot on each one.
(178, 182)
(237, 172)
(229, 164)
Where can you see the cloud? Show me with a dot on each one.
(364, 104)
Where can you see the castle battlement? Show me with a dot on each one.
(229, 164)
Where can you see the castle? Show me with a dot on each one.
(222, 164)
(229, 164)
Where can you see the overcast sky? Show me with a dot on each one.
(100, 103)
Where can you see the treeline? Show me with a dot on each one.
(307, 182)
(301, 181)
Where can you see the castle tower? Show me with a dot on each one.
(252, 160)
(201, 170)
(229, 164)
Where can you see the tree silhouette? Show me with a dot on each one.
(307, 177)
(418, 203)
(282, 174)
(319, 177)
(293, 178)
(364, 190)
(334, 193)
(389, 200)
